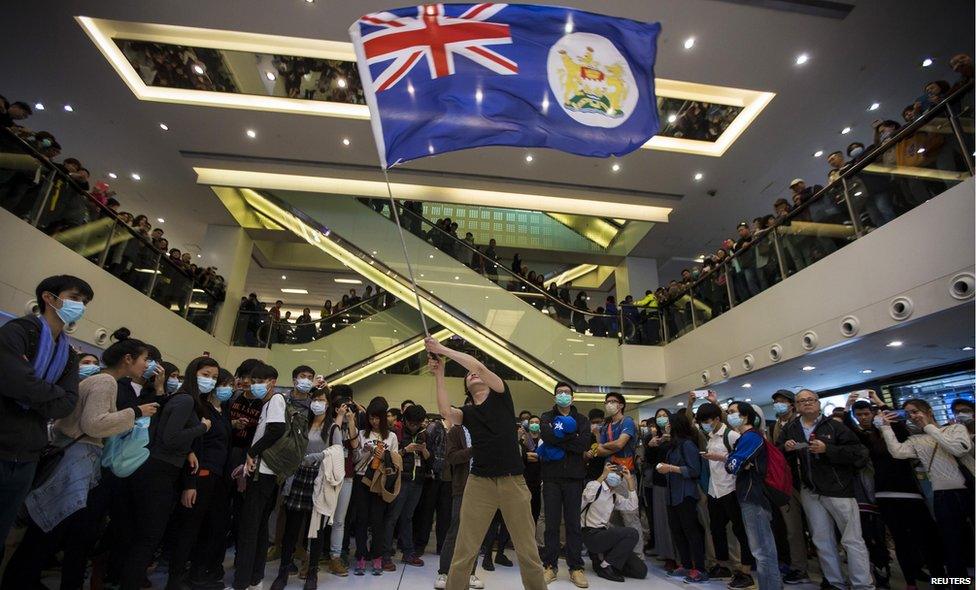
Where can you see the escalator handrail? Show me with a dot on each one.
(498, 264)
(832, 187)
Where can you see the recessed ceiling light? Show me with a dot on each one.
(198, 69)
(199, 255)
(967, 348)
(681, 404)
(615, 167)
(136, 176)
(866, 371)
(672, 118)
(845, 130)
(39, 106)
(809, 368)
(310, 1)
(528, 157)
(927, 62)
(251, 133)
(349, 281)
(69, 108)
(699, 176)
(296, 291)
(164, 126)
(341, 82)
(748, 399)
(113, 175)
(817, 153)
(345, 141)
(874, 106)
(894, 344)
(802, 59)
(160, 220)
(283, 277)
(746, 385)
(920, 150)
(270, 76)
(689, 42)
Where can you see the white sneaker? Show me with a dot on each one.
(440, 581)
(474, 582)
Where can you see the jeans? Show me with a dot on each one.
(796, 542)
(152, 488)
(756, 520)
(400, 518)
(688, 536)
(252, 532)
(15, 482)
(370, 518)
(339, 518)
(823, 514)
(563, 499)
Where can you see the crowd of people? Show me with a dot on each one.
(696, 120)
(304, 474)
(84, 206)
(872, 198)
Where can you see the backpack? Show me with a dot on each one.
(285, 456)
(779, 479)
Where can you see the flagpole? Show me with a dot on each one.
(406, 256)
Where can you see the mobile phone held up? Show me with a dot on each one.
(701, 393)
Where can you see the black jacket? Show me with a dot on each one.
(831, 473)
(571, 466)
(890, 474)
(28, 402)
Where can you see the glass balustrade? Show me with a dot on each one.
(54, 199)
(916, 163)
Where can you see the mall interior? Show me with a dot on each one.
(799, 232)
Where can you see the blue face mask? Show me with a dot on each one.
(150, 370)
(613, 479)
(206, 384)
(172, 384)
(259, 390)
(303, 385)
(781, 408)
(563, 399)
(71, 311)
(88, 370)
(224, 393)
(735, 420)
(707, 427)
(661, 421)
(142, 422)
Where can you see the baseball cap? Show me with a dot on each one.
(795, 181)
(784, 393)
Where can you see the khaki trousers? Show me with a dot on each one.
(482, 497)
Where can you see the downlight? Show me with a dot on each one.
(849, 326)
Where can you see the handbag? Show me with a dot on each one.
(49, 460)
(126, 452)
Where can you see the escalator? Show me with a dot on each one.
(454, 295)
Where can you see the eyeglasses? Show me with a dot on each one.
(807, 401)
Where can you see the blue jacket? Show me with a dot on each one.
(748, 463)
(683, 454)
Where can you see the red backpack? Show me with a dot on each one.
(779, 478)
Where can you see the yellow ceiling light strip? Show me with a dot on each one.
(103, 31)
(403, 292)
(571, 274)
(421, 192)
(385, 361)
(632, 398)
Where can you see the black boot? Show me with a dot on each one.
(487, 564)
(282, 580)
(312, 581)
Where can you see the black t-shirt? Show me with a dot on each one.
(494, 441)
(250, 410)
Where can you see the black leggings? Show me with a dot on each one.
(151, 495)
(200, 526)
(917, 542)
(370, 517)
(688, 535)
(296, 527)
(954, 515)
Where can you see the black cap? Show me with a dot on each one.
(785, 393)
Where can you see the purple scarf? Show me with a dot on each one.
(51, 357)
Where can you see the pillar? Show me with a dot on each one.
(634, 276)
(228, 247)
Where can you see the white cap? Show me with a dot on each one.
(794, 181)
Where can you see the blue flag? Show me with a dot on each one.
(445, 77)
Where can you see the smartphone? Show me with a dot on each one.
(701, 393)
(863, 393)
(801, 445)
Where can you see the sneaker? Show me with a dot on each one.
(549, 575)
(388, 565)
(440, 581)
(379, 565)
(696, 577)
(670, 565)
(796, 577)
(475, 582)
(578, 578)
(412, 560)
(502, 560)
(678, 572)
(720, 572)
(741, 581)
(337, 568)
(360, 568)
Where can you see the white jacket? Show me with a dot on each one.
(328, 482)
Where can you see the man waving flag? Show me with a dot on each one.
(445, 77)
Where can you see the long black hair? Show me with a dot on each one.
(378, 407)
(681, 427)
(122, 347)
(190, 383)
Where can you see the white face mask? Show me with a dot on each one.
(612, 408)
(318, 407)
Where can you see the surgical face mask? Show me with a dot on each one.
(613, 479)
(612, 408)
(150, 370)
(706, 427)
(303, 385)
(172, 384)
(781, 408)
(259, 390)
(534, 428)
(318, 407)
(206, 384)
(855, 152)
(224, 393)
(71, 311)
(661, 421)
(964, 417)
(735, 420)
(563, 399)
(88, 370)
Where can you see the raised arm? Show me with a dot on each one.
(954, 438)
(467, 361)
(898, 450)
(449, 413)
